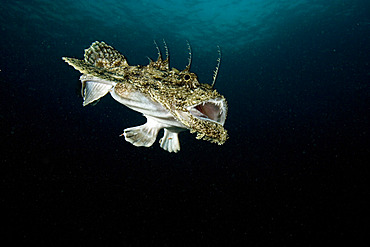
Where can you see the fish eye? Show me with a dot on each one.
(187, 77)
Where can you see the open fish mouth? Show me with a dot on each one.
(213, 110)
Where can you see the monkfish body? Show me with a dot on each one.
(170, 99)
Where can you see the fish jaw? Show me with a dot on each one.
(206, 119)
(214, 110)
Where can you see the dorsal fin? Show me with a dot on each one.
(101, 55)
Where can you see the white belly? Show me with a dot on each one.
(153, 110)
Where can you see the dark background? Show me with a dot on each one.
(293, 171)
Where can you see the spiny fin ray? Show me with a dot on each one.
(160, 63)
(166, 62)
(189, 64)
(217, 67)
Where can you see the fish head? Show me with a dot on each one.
(196, 105)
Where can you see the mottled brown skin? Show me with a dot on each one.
(173, 89)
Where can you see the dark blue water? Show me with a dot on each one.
(296, 75)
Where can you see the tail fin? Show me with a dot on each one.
(93, 88)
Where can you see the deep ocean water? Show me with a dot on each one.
(296, 75)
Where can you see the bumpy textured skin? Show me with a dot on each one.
(173, 89)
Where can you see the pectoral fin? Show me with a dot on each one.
(94, 88)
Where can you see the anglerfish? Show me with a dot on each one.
(170, 99)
